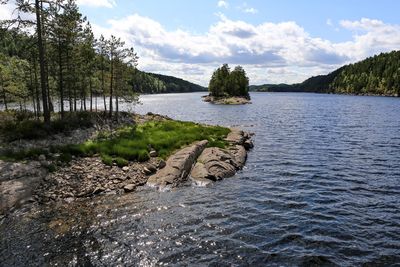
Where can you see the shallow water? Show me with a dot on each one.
(321, 187)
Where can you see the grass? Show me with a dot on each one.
(133, 143)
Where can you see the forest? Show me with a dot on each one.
(225, 82)
(49, 57)
(377, 75)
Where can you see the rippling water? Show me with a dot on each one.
(321, 188)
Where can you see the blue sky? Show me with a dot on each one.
(276, 41)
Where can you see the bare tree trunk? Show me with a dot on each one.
(111, 85)
(31, 87)
(36, 88)
(4, 95)
(46, 112)
(60, 77)
(103, 88)
(69, 83)
(91, 94)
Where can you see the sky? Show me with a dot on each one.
(284, 41)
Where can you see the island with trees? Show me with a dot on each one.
(228, 87)
(377, 75)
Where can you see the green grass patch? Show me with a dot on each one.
(133, 143)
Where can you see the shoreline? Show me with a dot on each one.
(33, 181)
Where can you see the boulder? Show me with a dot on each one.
(178, 166)
(235, 137)
(153, 153)
(239, 154)
(248, 144)
(214, 164)
(129, 187)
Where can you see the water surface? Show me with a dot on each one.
(321, 187)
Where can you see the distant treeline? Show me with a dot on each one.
(378, 75)
(151, 83)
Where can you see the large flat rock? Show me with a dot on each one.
(178, 166)
(18, 182)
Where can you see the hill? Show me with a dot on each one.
(152, 83)
(377, 75)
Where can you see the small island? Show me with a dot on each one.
(228, 87)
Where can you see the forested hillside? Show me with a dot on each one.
(151, 83)
(378, 75)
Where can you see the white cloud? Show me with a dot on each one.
(250, 10)
(270, 52)
(329, 22)
(97, 3)
(223, 3)
(5, 11)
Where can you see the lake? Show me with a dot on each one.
(321, 187)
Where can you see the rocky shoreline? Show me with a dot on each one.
(30, 181)
(231, 100)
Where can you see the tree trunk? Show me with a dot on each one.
(91, 94)
(103, 84)
(111, 85)
(4, 95)
(69, 83)
(46, 112)
(31, 87)
(60, 77)
(36, 87)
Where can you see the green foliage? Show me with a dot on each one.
(229, 83)
(21, 125)
(133, 143)
(378, 75)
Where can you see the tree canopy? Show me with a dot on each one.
(225, 82)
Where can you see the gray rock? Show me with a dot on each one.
(98, 190)
(161, 164)
(235, 137)
(129, 187)
(239, 154)
(178, 166)
(125, 168)
(153, 153)
(214, 164)
(248, 144)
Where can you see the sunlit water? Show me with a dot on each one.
(321, 187)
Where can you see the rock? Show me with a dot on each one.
(129, 187)
(248, 144)
(239, 154)
(125, 168)
(147, 171)
(214, 164)
(153, 153)
(98, 190)
(178, 166)
(161, 164)
(42, 157)
(235, 137)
